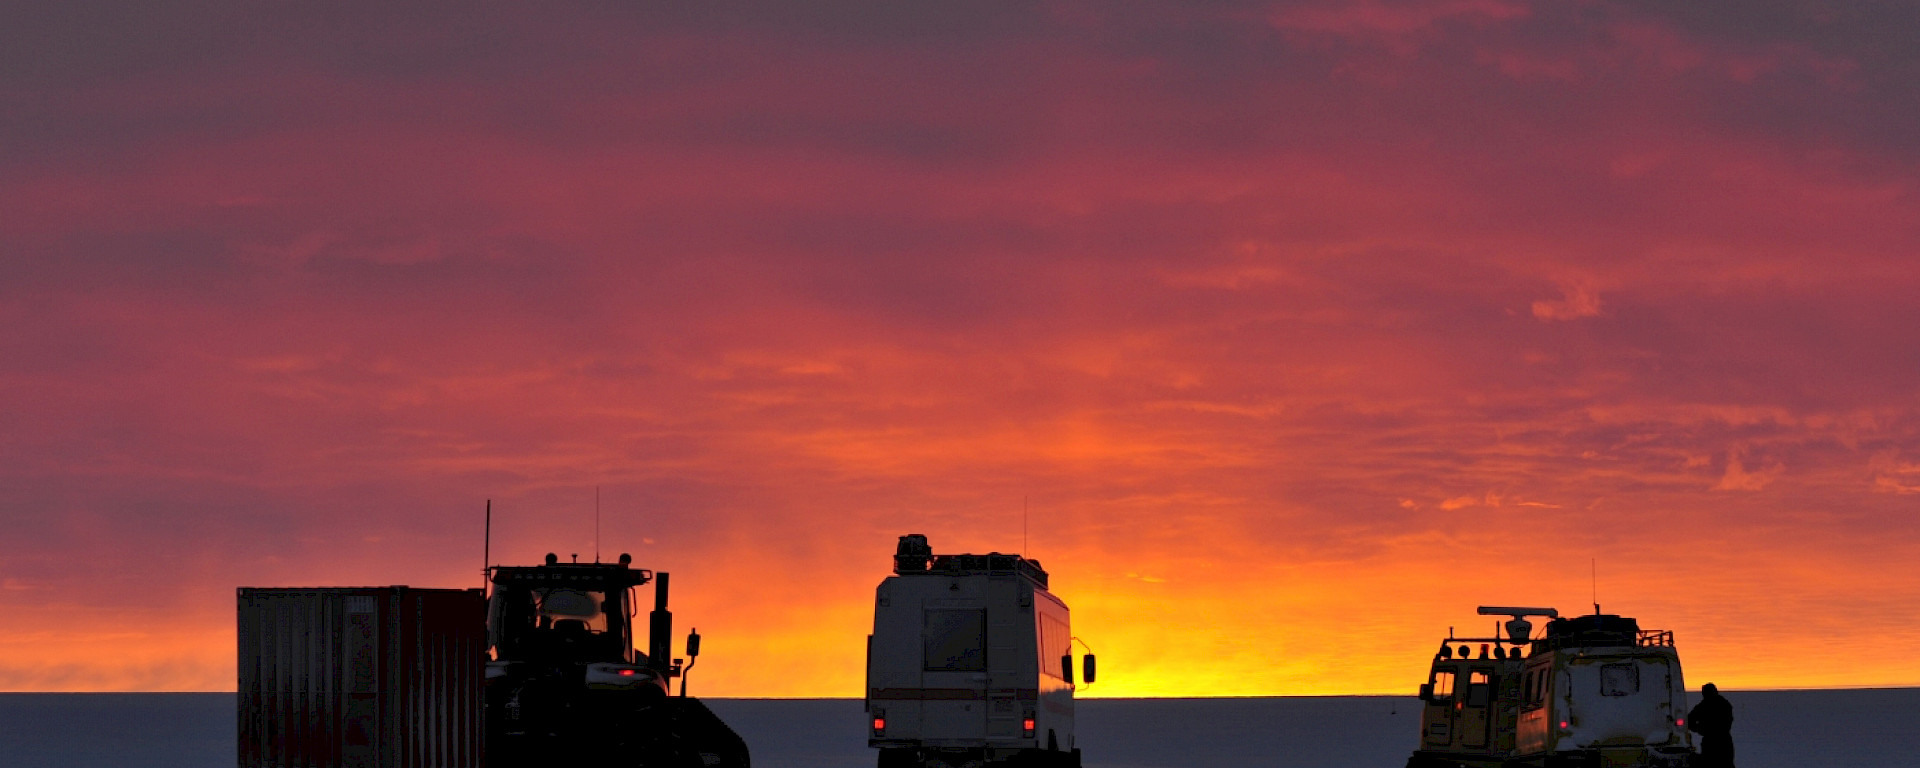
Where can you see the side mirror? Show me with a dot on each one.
(1090, 668)
(1426, 691)
(1066, 668)
(693, 643)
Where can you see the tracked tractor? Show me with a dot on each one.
(564, 681)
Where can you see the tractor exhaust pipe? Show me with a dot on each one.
(660, 629)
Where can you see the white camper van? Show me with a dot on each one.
(970, 664)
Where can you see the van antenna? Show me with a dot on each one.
(486, 553)
(1023, 528)
(596, 524)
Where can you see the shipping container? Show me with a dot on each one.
(361, 677)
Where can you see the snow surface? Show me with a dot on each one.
(1772, 729)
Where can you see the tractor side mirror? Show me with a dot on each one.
(693, 644)
(1066, 668)
(1090, 668)
(1426, 691)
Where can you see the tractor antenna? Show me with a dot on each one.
(1594, 565)
(486, 553)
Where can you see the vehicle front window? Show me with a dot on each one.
(1479, 688)
(565, 608)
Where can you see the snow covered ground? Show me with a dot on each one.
(1774, 729)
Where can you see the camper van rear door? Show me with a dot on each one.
(954, 672)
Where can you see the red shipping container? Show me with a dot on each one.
(361, 677)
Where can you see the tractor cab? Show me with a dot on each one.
(566, 684)
(565, 612)
(561, 622)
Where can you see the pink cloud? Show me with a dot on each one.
(1739, 478)
(1392, 19)
(1578, 301)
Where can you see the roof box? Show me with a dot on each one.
(1592, 631)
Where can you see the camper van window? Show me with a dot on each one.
(956, 641)
(1619, 680)
(1055, 643)
(1442, 686)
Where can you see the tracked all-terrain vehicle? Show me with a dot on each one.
(564, 681)
(1591, 691)
(970, 664)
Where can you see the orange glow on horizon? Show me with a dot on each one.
(1163, 628)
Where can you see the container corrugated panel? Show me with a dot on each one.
(361, 677)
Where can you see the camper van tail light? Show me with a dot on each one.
(1026, 726)
(626, 673)
(1563, 725)
(879, 722)
(1680, 722)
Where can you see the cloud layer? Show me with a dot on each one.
(1301, 329)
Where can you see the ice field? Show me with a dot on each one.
(1872, 728)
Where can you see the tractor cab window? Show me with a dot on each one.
(1442, 685)
(527, 621)
(565, 609)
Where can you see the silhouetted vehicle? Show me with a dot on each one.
(565, 682)
(1592, 691)
(970, 664)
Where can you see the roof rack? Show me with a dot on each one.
(916, 558)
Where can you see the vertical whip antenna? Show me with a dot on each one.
(1023, 529)
(596, 523)
(1594, 565)
(486, 553)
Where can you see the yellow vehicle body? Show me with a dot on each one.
(1592, 691)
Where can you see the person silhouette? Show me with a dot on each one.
(1712, 718)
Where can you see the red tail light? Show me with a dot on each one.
(1682, 722)
(1563, 725)
(626, 673)
(1026, 727)
(879, 722)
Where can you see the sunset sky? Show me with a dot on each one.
(1300, 329)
